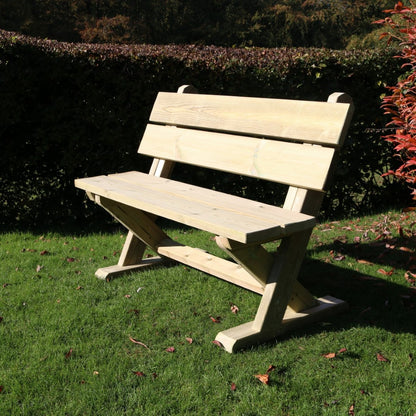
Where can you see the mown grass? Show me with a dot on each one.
(66, 338)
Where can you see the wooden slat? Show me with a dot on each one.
(313, 122)
(211, 198)
(232, 217)
(289, 163)
(206, 262)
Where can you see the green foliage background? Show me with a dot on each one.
(267, 23)
(74, 110)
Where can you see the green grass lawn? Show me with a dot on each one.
(67, 339)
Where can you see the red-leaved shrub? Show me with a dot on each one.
(401, 103)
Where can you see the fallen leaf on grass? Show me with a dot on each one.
(271, 368)
(79, 287)
(380, 357)
(233, 387)
(70, 259)
(410, 277)
(1, 388)
(44, 252)
(190, 340)
(216, 320)
(382, 271)
(329, 355)
(234, 308)
(342, 350)
(139, 373)
(362, 261)
(406, 249)
(127, 296)
(68, 354)
(264, 378)
(38, 268)
(138, 343)
(170, 349)
(351, 410)
(217, 343)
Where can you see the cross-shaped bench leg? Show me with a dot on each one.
(273, 318)
(142, 232)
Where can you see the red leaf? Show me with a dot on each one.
(264, 378)
(233, 387)
(329, 355)
(1, 388)
(381, 358)
(68, 354)
(410, 277)
(216, 320)
(190, 340)
(139, 373)
(365, 262)
(351, 411)
(138, 342)
(79, 287)
(342, 350)
(70, 259)
(382, 271)
(271, 368)
(127, 296)
(170, 349)
(44, 252)
(218, 343)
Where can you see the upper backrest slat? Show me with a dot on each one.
(306, 121)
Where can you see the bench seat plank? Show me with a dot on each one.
(309, 121)
(233, 217)
(296, 164)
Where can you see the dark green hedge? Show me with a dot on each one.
(71, 110)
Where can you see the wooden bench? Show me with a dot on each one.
(284, 141)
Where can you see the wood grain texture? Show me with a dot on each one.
(236, 218)
(288, 163)
(309, 121)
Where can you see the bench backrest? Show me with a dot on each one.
(287, 141)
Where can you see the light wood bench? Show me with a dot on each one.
(284, 141)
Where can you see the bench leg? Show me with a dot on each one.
(273, 318)
(142, 232)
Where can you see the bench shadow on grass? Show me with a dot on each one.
(387, 302)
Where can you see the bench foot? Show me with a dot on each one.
(245, 335)
(108, 273)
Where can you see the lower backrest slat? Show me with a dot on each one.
(295, 164)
